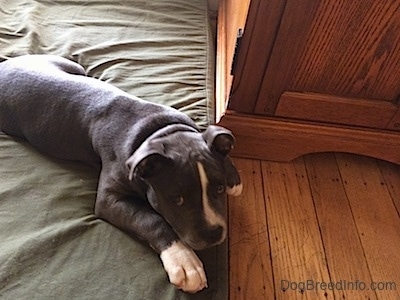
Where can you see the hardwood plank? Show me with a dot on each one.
(343, 249)
(279, 140)
(376, 219)
(391, 174)
(249, 252)
(296, 246)
(337, 110)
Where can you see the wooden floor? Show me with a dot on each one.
(325, 226)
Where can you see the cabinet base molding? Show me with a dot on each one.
(284, 140)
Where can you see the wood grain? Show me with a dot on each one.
(352, 50)
(294, 233)
(341, 48)
(326, 217)
(280, 140)
(257, 44)
(337, 110)
(392, 179)
(250, 262)
(378, 222)
(349, 50)
(344, 252)
(290, 41)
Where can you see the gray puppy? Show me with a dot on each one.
(161, 179)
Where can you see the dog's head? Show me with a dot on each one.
(187, 175)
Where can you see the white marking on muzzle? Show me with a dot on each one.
(212, 217)
(235, 191)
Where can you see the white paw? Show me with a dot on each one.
(235, 191)
(184, 268)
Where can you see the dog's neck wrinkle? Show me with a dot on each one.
(159, 131)
(172, 128)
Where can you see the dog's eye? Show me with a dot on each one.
(220, 189)
(178, 200)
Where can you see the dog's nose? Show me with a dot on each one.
(216, 235)
(208, 237)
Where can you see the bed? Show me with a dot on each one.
(51, 244)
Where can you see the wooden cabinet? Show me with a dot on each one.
(312, 76)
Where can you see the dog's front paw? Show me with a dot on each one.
(184, 268)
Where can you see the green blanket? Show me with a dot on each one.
(53, 247)
(51, 244)
(158, 50)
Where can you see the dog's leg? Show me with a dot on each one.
(184, 268)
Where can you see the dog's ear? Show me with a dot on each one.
(150, 166)
(219, 139)
(147, 160)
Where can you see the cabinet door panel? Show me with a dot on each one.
(352, 50)
(257, 43)
(290, 41)
(342, 48)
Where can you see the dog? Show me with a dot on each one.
(161, 179)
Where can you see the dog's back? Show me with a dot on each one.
(49, 101)
(33, 105)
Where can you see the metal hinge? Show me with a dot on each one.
(237, 49)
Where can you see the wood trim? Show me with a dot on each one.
(334, 109)
(279, 140)
(221, 75)
(232, 15)
(394, 123)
